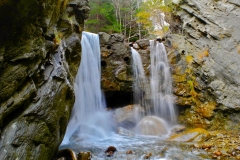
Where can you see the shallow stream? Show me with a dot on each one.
(90, 122)
(141, 146)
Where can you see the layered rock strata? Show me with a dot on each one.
(39, 57)
(205, 60)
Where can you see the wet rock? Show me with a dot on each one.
(129, 152)
(66, 154)
(84, 156)
(110, 151)
(181, 89)
(178, 129)
(126, 116)
(192, 135)
(147, 155)
(124, 132)
(135, 46)
(151, 125)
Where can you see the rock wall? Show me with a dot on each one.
(205, 59)
(115, 62)
(39, 57)
(116, 70)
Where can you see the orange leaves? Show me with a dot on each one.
(203, 54)
(206, 110)
(200, 56)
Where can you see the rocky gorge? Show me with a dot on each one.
(40, 54)
(39, 57)
(203, 57)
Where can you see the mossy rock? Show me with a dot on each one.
(192, 135)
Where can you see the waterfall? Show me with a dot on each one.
(161, 111)
(89, 117)
(161, 83)
(140, 80)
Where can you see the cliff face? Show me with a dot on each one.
(205, 61)
(39, 57)
(205, 64)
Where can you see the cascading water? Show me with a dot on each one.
(89, 116)
(90, 126)
(161, 83)
(162, 110)
(140, 81)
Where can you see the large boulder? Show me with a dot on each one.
(152, 125)
(39, 57)
(128, 116)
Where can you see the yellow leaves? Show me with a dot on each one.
(206, 109)
(201, 57)
(192, 90)
(189, 59)
(144, 18)
(143, 14)
(165, 28)
(58, 37)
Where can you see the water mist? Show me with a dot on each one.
(159, 113)
(161, 83)
(89, 117)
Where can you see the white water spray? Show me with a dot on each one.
(162, 112)
(161, 83)
(89, 117)
(140, 80)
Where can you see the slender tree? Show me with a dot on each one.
(101, 17)
(133, 18)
